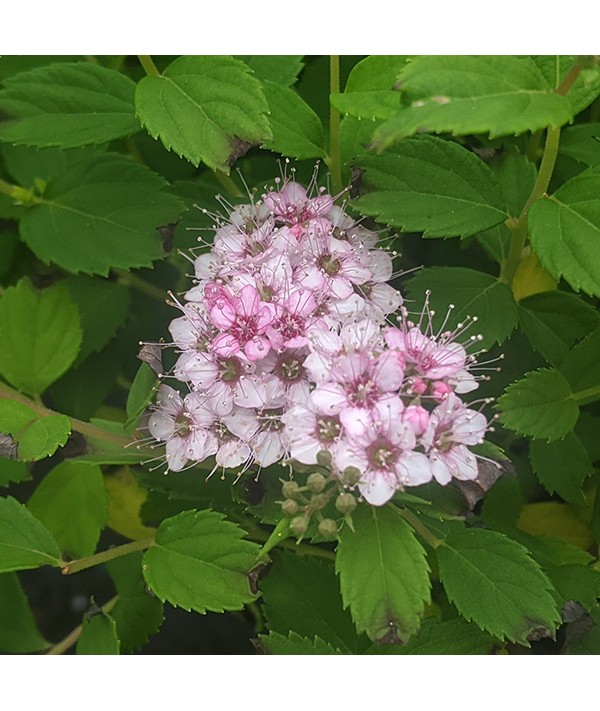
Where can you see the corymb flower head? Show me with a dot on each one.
(293, 346)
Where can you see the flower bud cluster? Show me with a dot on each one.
(286, 349)
(320, 498)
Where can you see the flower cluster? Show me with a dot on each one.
(286, 348)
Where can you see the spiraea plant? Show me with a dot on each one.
(363, 292)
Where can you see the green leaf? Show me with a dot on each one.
(517, 178)
(540, 405)
(67, 105)
(137, 614)
(103, 307)
(13, 472)
(554, 320)
(24, 542)
(369, 89)
(355, 136)
(562, 466)
(450, 637)
(384, 575)
(104, 212)
(378, 71)
(39, 337)
(302, 595)
(466, 95)
(36, 437)
(297, 130)
(84, 388)
(473, 294)
(581, 367)
(370, 105)
(79, 490)
(503, 502)
(205, 108)
(276, 643)
(576, 582)
(29, 165)
(493, 581)
(142, 391)
(582, 143)
(282, 69)
(432, 186)
(585, 88)
(564, 230)
(98, 635)
(18, 631)
(199, 562)
(43, 437)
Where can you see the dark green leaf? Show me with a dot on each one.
(283, 69)
(67, 105)
(384, 575)
(582, 143)
(503, 502)
(554, 320)
(473, 294)
(432, 186)
(581, 367)
(12, 472)
(540, 406)
(355, 137)
(493, 581)
(565, 231)
(40, 335)
(276, 643)
(104, 212)
(302, 595)
(205, 108)
(18, 631)
(200, 562)
(496, 242)
(576, 582)
(562, 466)
(83, 389)
(103, 306)
(24, 541)
(29, 165)
(98, 636)
(137, 614)
(450, 637)
(517, 177)
(78, 489)
(466, 95)
(142, 390)
(296, 128)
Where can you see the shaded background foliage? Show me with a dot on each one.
(103, 169)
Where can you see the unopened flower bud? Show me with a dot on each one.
(324, 458)
(290, 489)
(328, 528)
(418, 386)
(351, 476)
(298, 525)
(319, 501)
(345, 503)
(417, 417)
(440, 390)
(289, 507)
(316, 482)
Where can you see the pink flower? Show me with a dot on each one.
(383, 453)
(243, 320)
(176, 422)
(451, 427)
